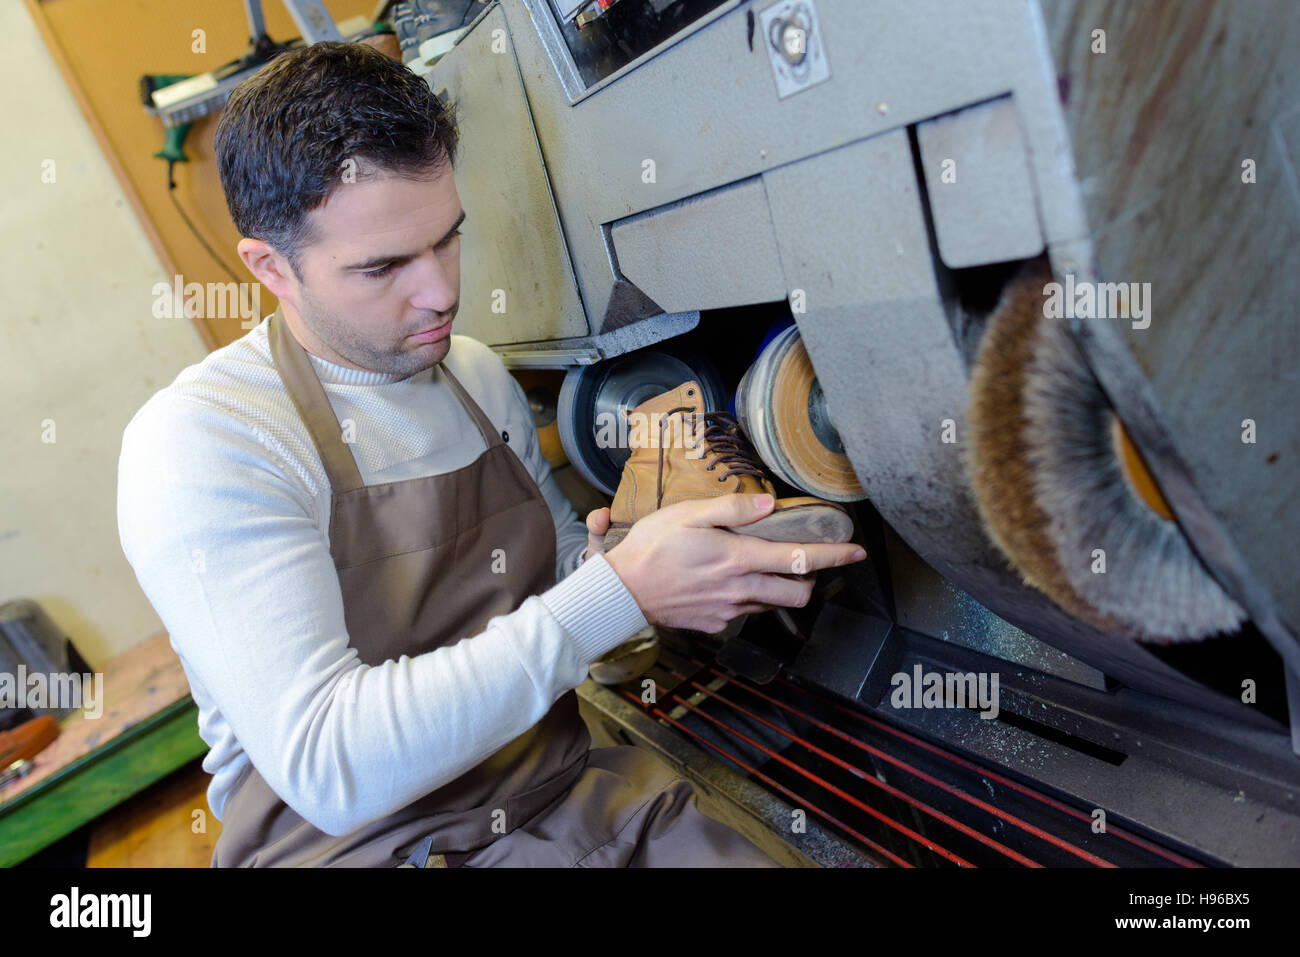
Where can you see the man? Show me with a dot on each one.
(345, 523)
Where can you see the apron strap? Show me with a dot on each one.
(489, 431)
(313, 406)
(318, 416)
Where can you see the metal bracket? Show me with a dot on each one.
(794, 46)
(310, 16)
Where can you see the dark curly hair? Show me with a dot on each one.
(286, 135)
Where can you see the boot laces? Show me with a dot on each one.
(721, 439)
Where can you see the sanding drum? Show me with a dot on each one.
(1063, 491)
(781, 407)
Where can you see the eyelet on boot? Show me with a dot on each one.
(722, 478)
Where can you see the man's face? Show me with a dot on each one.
(380, 282)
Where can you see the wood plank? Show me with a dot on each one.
(166, 825)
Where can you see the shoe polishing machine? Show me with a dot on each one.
(664, 191)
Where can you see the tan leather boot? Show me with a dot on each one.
(680, 452)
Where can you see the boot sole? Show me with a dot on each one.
(810, 524)
(802, 525)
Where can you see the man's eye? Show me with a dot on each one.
(379, 273)
(449, 238)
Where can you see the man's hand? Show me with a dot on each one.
(597, 526)
(687, 572)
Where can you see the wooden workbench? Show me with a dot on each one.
(148, 728)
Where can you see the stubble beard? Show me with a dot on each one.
(334, 330)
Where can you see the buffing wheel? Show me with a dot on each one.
(782, 409)
(1064, 494)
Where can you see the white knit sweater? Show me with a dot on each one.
(223, 511)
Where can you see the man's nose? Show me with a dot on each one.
(435, 288)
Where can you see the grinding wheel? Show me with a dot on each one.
(782, 409)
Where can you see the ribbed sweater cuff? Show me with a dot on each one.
(595, 608)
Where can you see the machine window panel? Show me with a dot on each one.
(627, 29)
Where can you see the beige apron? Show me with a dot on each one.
(415, 565)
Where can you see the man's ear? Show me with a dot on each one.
(270, 267)
(385, 43)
